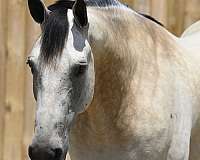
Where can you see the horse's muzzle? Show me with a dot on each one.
(37, 152)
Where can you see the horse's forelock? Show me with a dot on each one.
(54, 32)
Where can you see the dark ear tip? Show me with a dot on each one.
(37, 10)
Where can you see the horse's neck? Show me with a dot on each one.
(113, 69)
(111, 29)
(122, 45)
(123, 34)
(110, 39)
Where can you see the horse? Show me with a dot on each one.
(111, 84)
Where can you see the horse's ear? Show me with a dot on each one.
(38, 10)
(80, 13)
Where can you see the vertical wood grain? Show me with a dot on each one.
(2, 72)
(180, 16)
(176, 15)
(130, 3)
(13, 129)
(143, 6)
(192, 12)
(159, 10)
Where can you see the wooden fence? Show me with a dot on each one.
(17, 34)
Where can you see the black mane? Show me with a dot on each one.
(55, 31)
(152, 19)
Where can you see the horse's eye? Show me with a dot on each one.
(80, 68)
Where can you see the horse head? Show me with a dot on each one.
(62, 65)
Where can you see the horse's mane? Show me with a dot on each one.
(55, 27)
(152, 19)
(103, 3)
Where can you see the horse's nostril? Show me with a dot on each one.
(58, 153)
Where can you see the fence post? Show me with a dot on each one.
(13, 129)
(2, 71)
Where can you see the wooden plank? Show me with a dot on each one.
(14, 81)
(159, 10)
(130, 3)
(171, 22)
(2, 72)
(180, 14)
(143, 6)
(192, 12)
(176, 10)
